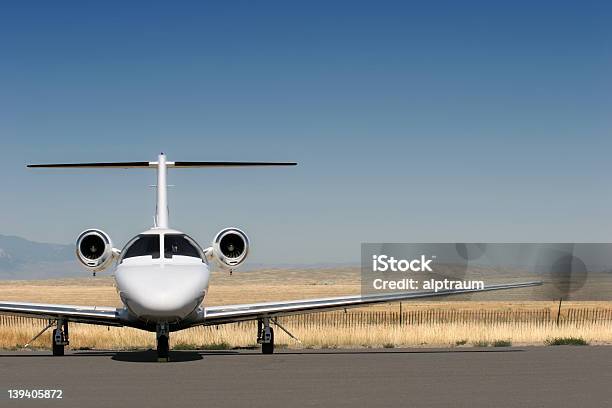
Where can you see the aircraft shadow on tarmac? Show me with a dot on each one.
(181, 356)
(177, 356)
(150, 356)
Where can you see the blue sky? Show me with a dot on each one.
(411, 122)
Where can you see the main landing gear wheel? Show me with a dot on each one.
(268, 348)
(59, 339)
(265, 335)
(58, 347)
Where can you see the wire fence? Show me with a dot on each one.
(444, 316)
(411, 317)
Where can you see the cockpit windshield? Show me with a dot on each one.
(174, 244)
(180, 244)
(143, 245)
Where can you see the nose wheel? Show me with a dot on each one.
(265, 336)
(163, 342)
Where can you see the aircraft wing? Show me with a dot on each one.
(106, 316)
(233, 313)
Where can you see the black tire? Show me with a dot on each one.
(268, 348)
(58, 349)
(163, 347)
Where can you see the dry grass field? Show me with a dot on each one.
(228, 336)
(267, 285)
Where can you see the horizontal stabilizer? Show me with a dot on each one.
(178, 164)
(117, 165)
(228, 164)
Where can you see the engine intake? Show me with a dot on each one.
(94, 250)
(230, 248)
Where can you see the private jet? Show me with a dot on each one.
(162, 277)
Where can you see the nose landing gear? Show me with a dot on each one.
(163, 342)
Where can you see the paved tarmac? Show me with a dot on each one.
(562, 376)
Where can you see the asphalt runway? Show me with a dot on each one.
(563, 376)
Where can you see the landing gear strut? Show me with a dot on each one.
(265, 335)
(163, 342)
(60, 337)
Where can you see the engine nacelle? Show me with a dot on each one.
(230, 248)
(94, 250)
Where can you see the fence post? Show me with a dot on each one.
(400, 314)
(559, 310)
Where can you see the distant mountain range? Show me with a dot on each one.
(24, 259)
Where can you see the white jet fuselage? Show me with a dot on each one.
(162, 285)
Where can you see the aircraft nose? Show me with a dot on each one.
(163, 293)
(162, 303)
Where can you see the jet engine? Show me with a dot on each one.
(230, 248)
(94, 250)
